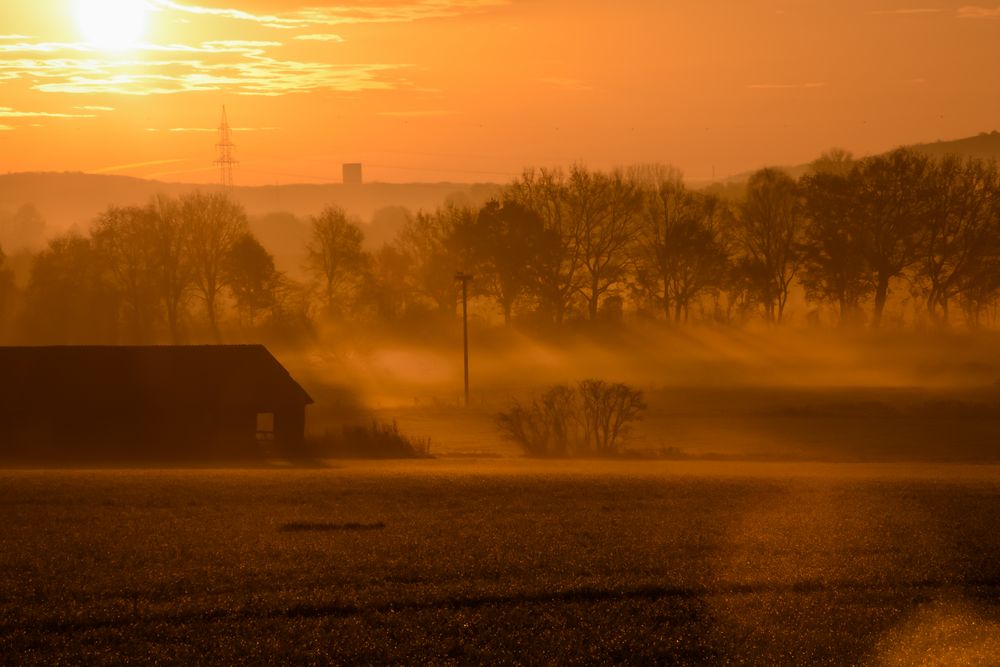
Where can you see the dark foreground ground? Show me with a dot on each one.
(503, 562)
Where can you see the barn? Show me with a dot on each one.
(169, 403)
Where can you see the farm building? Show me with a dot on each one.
(147, 403)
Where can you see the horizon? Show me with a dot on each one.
(137, 88)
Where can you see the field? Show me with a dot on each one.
(503, 560)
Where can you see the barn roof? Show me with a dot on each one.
(238, 376)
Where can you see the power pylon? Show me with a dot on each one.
(225, 160)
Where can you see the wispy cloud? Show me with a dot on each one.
(7, 112)
(907, 11)
(786, 86)
(6, 128)
(94, 108)
(10, 37)
(237, 66)
(133, 165)
(416, 113)
(310, 17)
(565, 83)
(976, 12)
(325, 37)
(210, 129)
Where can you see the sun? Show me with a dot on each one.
(112, 24)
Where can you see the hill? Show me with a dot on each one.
(68, 200)
(983, 146)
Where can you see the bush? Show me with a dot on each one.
(592, 419)
(377, 440)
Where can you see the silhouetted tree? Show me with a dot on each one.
(24, 229)
(769, 233)
(214, 224)
(560, 274)
(171, 259)
(68, 300)
(835, 267)
(437, 245)
(958, 237)
(509, 243)
(605, 208)
(252, 278)
(126, 240)
(892, 206)
(680, 253)
(335, 258)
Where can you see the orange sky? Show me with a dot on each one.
(474, 90)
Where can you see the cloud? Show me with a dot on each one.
(976, 12)
(564, 83)
(10, 37)
(6, 128)
(133, 165)
(907, 12)
(241, 67)
(309, 17)
(786, 86)
(210, 129)
(416, 113)
(7, 112)
(94, 108)
(326, 37)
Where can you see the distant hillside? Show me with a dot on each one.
(67, 200)
(984, 146)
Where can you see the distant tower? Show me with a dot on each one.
(352, 173)
(225, 160)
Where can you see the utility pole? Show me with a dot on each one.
(224, 149)
(464, 278)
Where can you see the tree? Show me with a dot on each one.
(125, 240)
(214, 224)
(171, 259)
(835, 267)
(892, 206)
(680, 252)
(335, 258)
(437, 245)
(605, 208)
(252, 277)
(508, 243)
(559, 275)
(68, 299)
(769, 233)
(958, 238)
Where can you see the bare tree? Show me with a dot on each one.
(958, 236)
(680, 253)
(770, 226)
(559, 274)
(892, 206)
(125, 239)
(605, 208)
(335, 258)
(214, 224)
(607, 412)
(836, 269)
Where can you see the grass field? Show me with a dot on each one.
(506, 560)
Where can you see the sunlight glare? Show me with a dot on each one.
(112, 24)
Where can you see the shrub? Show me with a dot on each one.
(592, 419)
(377, 440)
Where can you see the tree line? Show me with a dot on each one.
(557, 248)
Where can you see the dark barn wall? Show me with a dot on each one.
(290, 430)
(128, 434)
